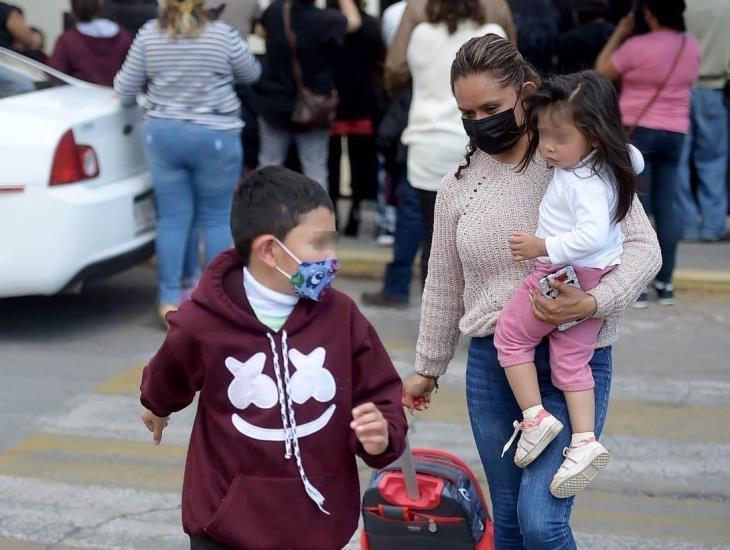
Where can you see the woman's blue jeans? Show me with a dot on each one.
(526, 515)
(194, 172)
(658, 187)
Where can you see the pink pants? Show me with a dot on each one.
(519, 332)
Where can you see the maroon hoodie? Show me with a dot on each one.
(239, 487)
(89, 58)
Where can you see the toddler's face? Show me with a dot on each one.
(561, 143)
(313, 240)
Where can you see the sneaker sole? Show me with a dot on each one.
(574, 484)
(640, 305)
(541, 445)
(666, 301)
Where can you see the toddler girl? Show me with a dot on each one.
(574, 121)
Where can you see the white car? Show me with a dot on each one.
(76, 198)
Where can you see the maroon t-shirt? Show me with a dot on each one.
(241, 487)
(89, 58)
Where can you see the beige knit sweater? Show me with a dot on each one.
(472, 275)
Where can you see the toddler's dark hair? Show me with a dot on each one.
(271, 201)
(590, 101)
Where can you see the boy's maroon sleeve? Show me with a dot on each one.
(174, 374)
(59, 59)
(375, 380)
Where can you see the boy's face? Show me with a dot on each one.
(313, 240)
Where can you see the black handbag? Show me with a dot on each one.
(311, 110)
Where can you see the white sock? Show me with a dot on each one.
(580, 437)
(531, 413)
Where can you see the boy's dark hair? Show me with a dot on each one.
(271, 201)
(591, 103)
(85, 10)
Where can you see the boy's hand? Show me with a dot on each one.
(155, 424)
(525, 246)
(370, 428)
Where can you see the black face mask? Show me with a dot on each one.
(494, 134)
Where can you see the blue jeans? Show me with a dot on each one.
(526, 515)
(399, 272)
(706, 149)
(658, 186)
(194, 172)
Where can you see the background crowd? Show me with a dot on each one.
(334, 78)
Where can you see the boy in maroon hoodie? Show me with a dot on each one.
(294, 381)
(94, 49)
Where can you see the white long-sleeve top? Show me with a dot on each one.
(576, 216)
(435, 134)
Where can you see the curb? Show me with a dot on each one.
(370, 264)
(709, 281)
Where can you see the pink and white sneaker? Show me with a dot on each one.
(582, 463)
(536, 436)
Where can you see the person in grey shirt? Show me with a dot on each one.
(239, 14)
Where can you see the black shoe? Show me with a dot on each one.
(721, 239)
(353, 224)
(642, 302)
(665, 293)
(378, 299)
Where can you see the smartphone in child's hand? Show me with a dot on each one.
(567, 276)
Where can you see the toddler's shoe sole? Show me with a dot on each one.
(540, 446)
(588, 469)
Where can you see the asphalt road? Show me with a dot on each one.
(77, 469)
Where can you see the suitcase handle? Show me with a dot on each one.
(409, 473)
(408, 468)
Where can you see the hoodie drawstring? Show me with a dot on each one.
(289, 420)
(282, 407)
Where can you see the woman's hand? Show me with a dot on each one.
(604, 65)
(417, 392)
(626, 26)
(572, 305)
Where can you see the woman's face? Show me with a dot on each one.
(481, 96)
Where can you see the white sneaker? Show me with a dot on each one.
(536, 436)
(582, 463)
(385, 239)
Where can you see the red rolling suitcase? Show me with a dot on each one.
(428, 500)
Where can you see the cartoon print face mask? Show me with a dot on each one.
(312, 279)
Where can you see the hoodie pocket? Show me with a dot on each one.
(269, 513)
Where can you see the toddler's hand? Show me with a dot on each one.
(155, 424)
(525, 246)
(370, 428)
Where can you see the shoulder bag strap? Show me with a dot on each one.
(661, 87)
(291, 39)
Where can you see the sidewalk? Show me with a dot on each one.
(700, 266)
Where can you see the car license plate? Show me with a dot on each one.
(144, 213)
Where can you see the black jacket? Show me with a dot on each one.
(130, 14)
